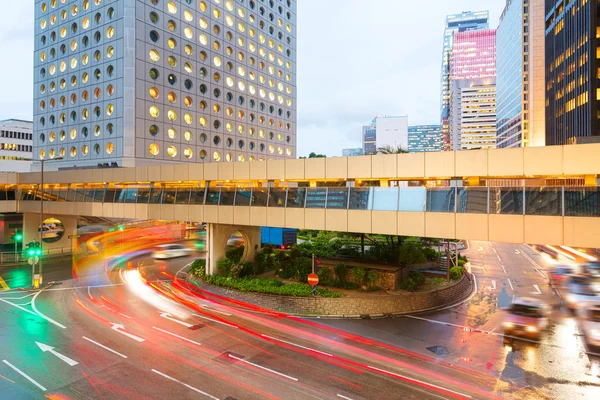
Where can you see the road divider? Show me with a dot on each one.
(104, 347)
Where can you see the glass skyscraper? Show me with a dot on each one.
(425, 138)
(572, 75)
(465, 21)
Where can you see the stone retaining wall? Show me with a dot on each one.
(355, 307)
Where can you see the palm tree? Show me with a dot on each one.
(387, 149)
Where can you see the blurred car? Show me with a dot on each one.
(526, 317)
(591, 324)
(165, 251)
(581, 290)
(591, 269)
(559, 276)
(49, 232)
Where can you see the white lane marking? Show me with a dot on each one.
(511, 285)
(182, 268)
(18, 298)
(498, 258)
(36, 314)
(104, 347)
(542, 274)
(297, 345)
(118, 327)
(217, 311)
(177, 336)
(42, 315)
(418, 381)
(491, 244)
(169, 317)
(185, 384)
(537, 289)
(24, 375)
(45, 348)
(494, 250)
(126, 316)
(263, 368)
(344, 397)
(214, 320)
(493, 285)
(504, 269)
(90, 293)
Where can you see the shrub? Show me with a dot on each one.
(340, 272)
(235, 254)
(372, 277)
(430, 253)
(461, 263)
(456, 273)
(359, 275)
(325, 276)
(268, 286)
(303, 267)
(345, 285)
(198, 268)
(224, 266)
(414, 280)
(411, 254)
(418, 277)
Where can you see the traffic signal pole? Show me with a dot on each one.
(41, 220)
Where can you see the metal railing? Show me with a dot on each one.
(11, 258)
(548, 201)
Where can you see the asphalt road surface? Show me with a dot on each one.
(110, 336)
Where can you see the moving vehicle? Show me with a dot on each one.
(559, 276)
(50, 232)
(165, 251)
(581, 290)
(592, 269)
(279, 237)
(526, 317)
(591, 324)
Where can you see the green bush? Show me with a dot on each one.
(430, 253)
(235, 254)
(268, 286)
(372, 277)
(359, 275)
(414, 280)
(340, 272)
(461, 263)
(411, 254)
(418, 277)
(303, 268)
(325, 276)
(198, 268)
(456, 273)
(224, 266)
(345, 285)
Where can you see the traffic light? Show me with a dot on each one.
(33, 249)
(121, 228)
(18, 236)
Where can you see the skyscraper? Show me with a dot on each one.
(385, 131)
(572, 77)
(520, 78)
(425, 138)
(369, 137)
(465, 21)
(472, 120)
(136, 82)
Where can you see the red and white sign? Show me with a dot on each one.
(313, 279)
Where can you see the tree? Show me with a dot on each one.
(315, 155)
(387, 149)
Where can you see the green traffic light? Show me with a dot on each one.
(121, 228)
(111, 229)
(30, 252)
(18, 237)
(38, 252)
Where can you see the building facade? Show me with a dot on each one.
(572, 78)
(520, 82)
(369, 137)
(16, 145)
(392, 132)
(352, 152)
(425, 138)
(465, 21)
(138, 82)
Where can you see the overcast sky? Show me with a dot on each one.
(356, 60)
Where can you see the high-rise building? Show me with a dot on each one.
(473, 114)
(137, 82)
(465, 21)
(425, 138)
(520, 78)
(572, 65)
(16, 144)
(473, 90)
(352, 152)
(369, 137)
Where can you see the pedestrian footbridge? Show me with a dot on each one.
(545, 195)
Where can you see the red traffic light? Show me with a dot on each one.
(12, 233)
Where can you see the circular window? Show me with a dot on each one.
(171, 115)
(154, 36)
(203, 154)
(73, 151)
(172, 97)
(97, 149)
(172, 151)
(229, 142)
(241, 158)
(153, 130)
(154, 74)
(73, 133)
(241, 144)
(172, 79)
(154, 149)
(187, 135)
(110, 147)
(154, 55)
(217, 140)
(172, 133)
(154, 112)
(84, 150)
(203, 138)
(228, 157)
(154, 93)
(217, 156)
(187, 153)
(52, 229)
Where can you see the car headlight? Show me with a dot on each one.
(570, 298)
(508, 324)
(531, 328)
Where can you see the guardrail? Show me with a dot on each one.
(12, 258)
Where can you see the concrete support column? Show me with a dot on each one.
(31, 223)
(217, 237)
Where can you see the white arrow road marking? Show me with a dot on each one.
(185, 384)
(104, 347)
(24, 375)
(493, 285)
(177, 336)
(537, 289)
(517, 251)
(168, 316)
(263, 368)
(45, 348)
(118, 327)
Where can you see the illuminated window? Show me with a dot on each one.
(154, 112)
(110, 32)
(172, 43)
(216, 156)
(171, 7)
(154, 55)
(110, 147)
(154, 149)
(171, 115)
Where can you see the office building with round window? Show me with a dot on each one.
(132, 83)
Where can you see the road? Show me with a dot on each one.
(558, 367)
(97, 337)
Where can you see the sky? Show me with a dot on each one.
(356, 60)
